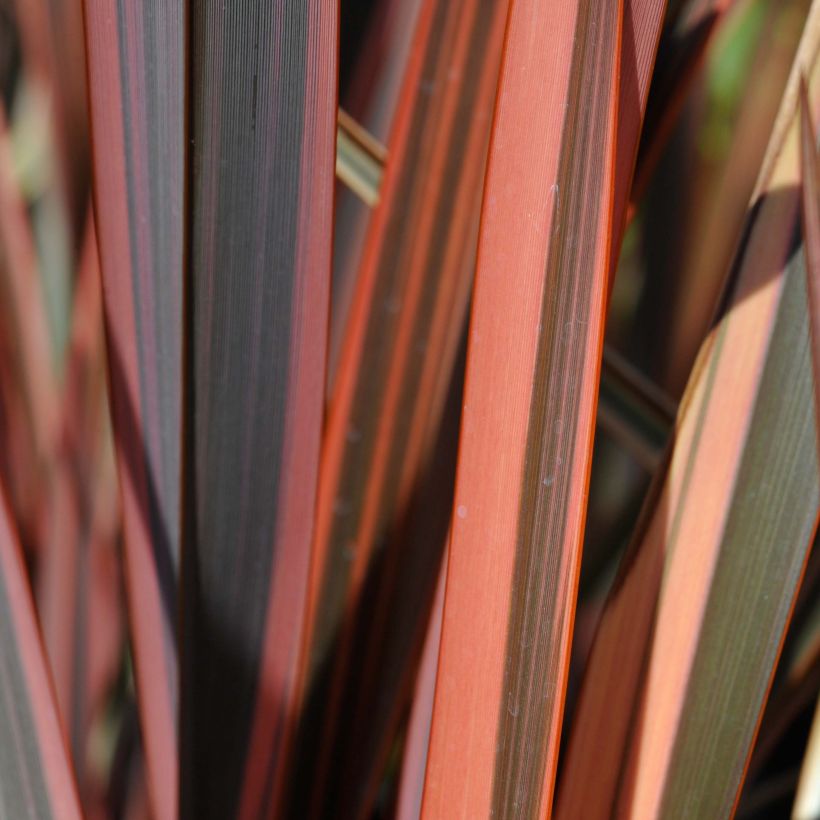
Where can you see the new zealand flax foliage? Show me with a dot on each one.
(409, 408)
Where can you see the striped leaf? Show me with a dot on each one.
(685, 652)
(262, 136)
(35, 776)
(389, 394)
(535, 344)
(393, 619)
(255, 313)
(136, 70)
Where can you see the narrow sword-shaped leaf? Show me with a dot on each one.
(390, 390)
(534, 357)
(810, 178)
(689, 638)
(371, 97)
(35, 773)
(394, 618)
(378, 71)
(641, 34)
(807, 798)
(681, 54)
(136, 70)
(262, 136)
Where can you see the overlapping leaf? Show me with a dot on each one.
(683, 659)
(686, 276)
(377, 545)
(136, 58)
